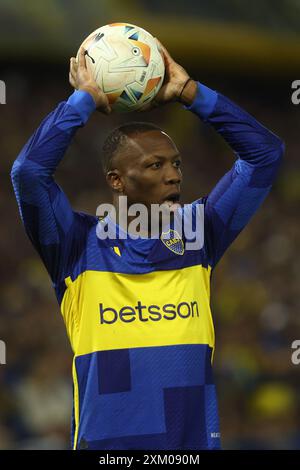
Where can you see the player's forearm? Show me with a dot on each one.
(240, 192)
(245, 135)
(47, 215)
(47, 146)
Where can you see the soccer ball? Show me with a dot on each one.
(126, 63)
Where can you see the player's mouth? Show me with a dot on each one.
(172, 201)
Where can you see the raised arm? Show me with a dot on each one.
(45, 210)
(237, 196)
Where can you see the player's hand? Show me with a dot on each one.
(175, 78)
(81, 78)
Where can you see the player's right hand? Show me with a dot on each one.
(81, 78)
(175, 79)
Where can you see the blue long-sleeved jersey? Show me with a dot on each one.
(137, 313)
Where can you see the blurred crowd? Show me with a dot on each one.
(255, 288)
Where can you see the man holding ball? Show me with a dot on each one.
(137, 311)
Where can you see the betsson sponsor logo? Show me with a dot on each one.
(144, 313)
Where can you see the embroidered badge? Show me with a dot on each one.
(172, 241)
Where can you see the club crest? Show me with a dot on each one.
(172, 241)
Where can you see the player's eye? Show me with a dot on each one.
(155, 165)
(177, 163)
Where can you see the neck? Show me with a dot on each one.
(123, 219)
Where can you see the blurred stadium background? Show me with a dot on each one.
(248, 51)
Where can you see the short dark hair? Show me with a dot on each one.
(118, 138)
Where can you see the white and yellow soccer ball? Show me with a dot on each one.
(126, 64)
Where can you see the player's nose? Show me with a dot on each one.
(173, 176)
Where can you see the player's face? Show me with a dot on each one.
(151, 170)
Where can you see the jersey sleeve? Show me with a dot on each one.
(237, 196)
(51, 224)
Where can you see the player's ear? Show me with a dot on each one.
(113, 178)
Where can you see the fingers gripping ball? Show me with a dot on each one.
(126, 64)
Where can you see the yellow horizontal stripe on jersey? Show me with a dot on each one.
(108, 310)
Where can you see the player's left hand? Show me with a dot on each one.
(175, 78)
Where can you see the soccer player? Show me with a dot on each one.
(137, 313)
